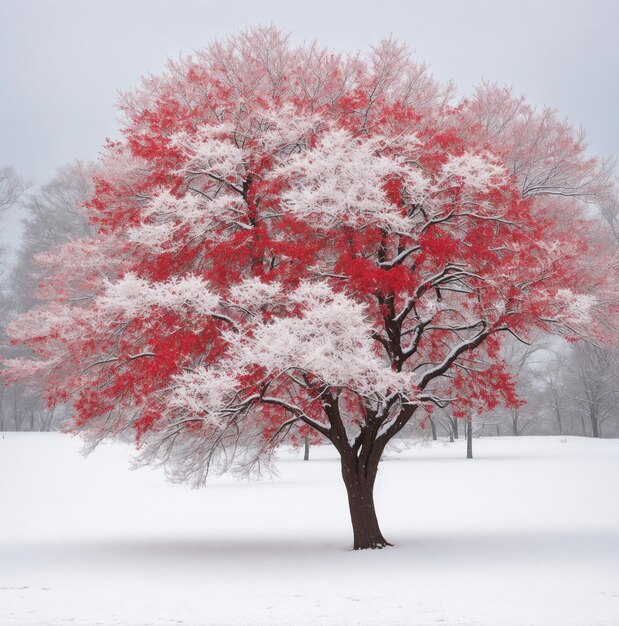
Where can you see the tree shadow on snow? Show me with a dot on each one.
(482, 548)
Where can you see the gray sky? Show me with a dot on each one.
(62, 62)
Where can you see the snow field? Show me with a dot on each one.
(526, 534)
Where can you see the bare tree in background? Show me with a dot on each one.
(524, 360)
(54, 217)
(450, 423)
(554, 392)
(12, 188)
(594, 387)
(609, 210)
(527, 361)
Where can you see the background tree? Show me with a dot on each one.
(524, 361)
(553, 397)
(450, 422)
(593, 383)
(12, 187)
(294, 241)
(54, 215)
(609, 210)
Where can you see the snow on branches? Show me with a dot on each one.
(478, 172)
(341, 181)
(132, 297)
(329, 338)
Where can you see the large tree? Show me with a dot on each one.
(292, 241)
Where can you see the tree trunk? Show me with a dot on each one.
(306, 451)
(469, 437)
(559, 424)
(594, 421)
(449, 429)
(455, 426)
(360, 489)
(433, 428)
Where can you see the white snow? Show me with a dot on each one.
(526, 534)
(132, 296)
(476, 172)
(341, 180)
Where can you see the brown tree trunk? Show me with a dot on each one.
(360, 489)
(306, 450)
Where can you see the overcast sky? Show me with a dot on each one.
(62, 62)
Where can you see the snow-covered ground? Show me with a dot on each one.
(525, 534)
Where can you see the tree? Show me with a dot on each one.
(452, 424)
(553, 391)
(290, 241)
(12, 187)
(524, 361)
(594, 387)
(54, 216)
(609, 211)
(469, 436)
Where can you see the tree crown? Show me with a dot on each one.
(290, 240)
